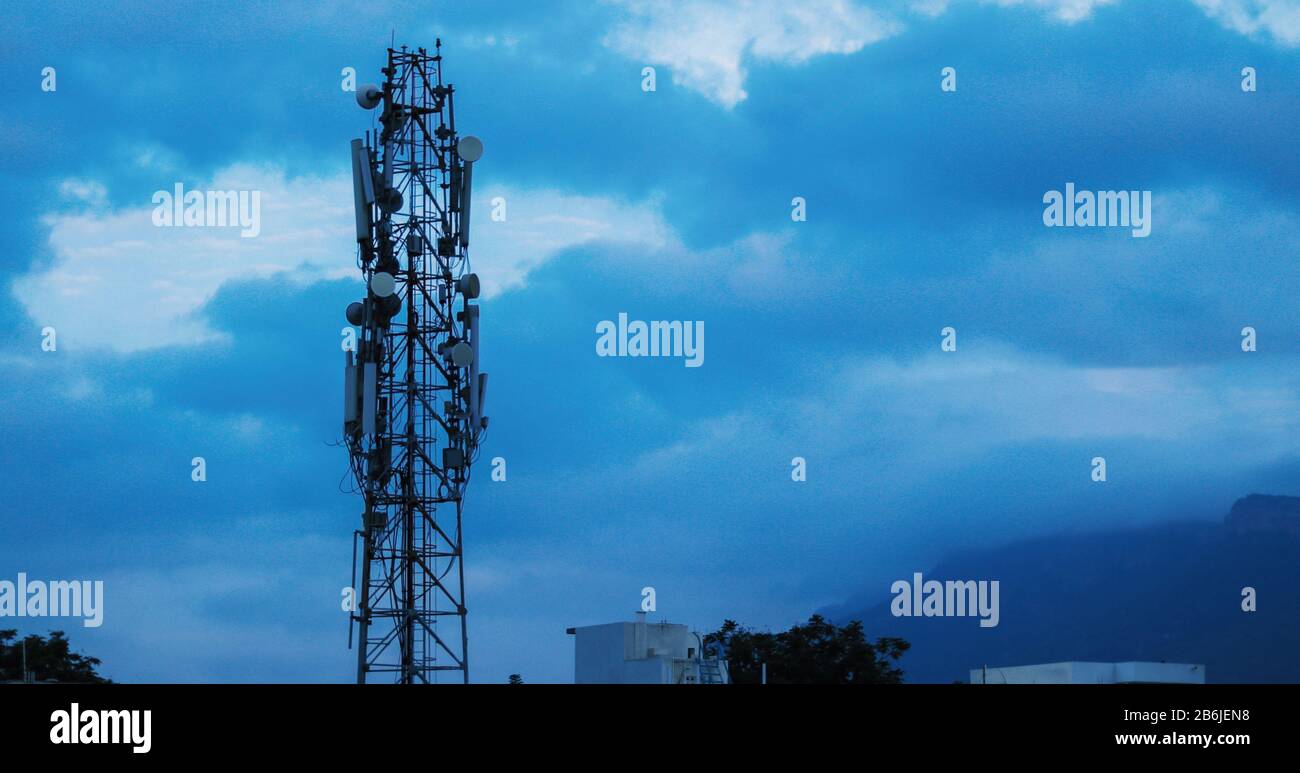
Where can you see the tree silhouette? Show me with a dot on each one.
(516, 679)
(48, 660)
(818, 652)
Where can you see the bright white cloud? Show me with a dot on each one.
(113, 280)
(1279, 18)
(540, 224)
(709, 44)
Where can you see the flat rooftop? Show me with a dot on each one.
(1081, 672)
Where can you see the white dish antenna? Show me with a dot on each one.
(369, 96)
(470, 148)
(383, 284)
(468, 285)
(462, 354)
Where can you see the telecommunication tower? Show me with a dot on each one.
(413, 394)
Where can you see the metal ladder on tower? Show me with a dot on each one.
(710, 672)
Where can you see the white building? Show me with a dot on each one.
(642, 653)
(1075, 672)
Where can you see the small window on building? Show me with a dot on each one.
(690, 652)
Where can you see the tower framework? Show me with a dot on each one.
(413, 393)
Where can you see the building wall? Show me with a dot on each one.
(600, 652)
(635, 653)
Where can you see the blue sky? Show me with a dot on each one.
(823, 337)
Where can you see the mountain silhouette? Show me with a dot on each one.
(1170, 592)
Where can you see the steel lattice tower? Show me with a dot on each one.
(413, 394)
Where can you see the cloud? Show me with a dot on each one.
(116, 281)
(1279, 18)
(1069, 11)
(540, 224)
(507, 41)
(709, 44)
(929, 7)
(915, 453)
(972, 402)
(88, 192)
(152, 156)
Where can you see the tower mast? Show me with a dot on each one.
(413, 394)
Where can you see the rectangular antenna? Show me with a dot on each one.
(466, 181)
(369, 396)
(349, 392)
(359, 198)
(473, 367)
(482, 397)
(368, 174)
